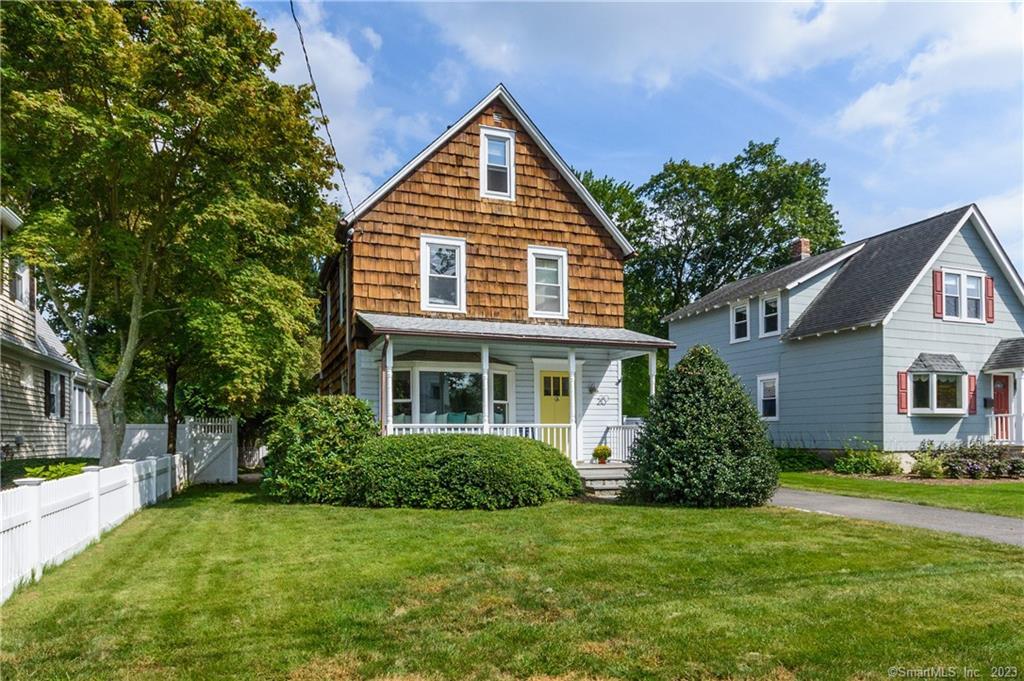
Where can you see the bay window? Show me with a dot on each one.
(937, 393)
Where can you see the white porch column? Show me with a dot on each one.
(573, 443)
(389, 361)
(652, 369)
(1018, 408)
(485, 370)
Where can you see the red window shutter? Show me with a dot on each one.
(990, 300)
(972, 394)
(937, 294)
(901, 392)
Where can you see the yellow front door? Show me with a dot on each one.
(554, 397)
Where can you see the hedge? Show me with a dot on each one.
(446, 471)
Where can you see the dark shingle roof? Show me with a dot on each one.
(760, 283)
(1009, 354)
(928, 362)
(869, 284)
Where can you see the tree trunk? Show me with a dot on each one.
(172, 409)
(109, 450)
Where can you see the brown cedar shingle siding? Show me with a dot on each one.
(442, 198)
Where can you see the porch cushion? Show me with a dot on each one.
(429, 417)
(474, 418)
(457, 417)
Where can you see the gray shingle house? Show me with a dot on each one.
(910, 335)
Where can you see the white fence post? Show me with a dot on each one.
(151, 491)
(35, 534)
(94, 490)
(129, 465)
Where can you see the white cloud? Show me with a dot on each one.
(372, 37)
(450, 76)
(1005, 214)
(979, 53)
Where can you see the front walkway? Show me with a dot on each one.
(992, 527)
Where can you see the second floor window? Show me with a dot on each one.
(739, 329)
(770, 316)
(497, 163)
(548, 282)
(962, 296)
(21, 286)
(442, 274)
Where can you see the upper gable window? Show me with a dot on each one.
(442, 274)
(770, 315)
(962, 296)
(548, 282)
(497, 163)
(739, 329)
(21, 287)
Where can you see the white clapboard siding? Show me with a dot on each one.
(46, 522)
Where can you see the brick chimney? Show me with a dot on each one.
(800, 249)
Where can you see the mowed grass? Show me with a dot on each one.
(1001, 497)
(218, 583)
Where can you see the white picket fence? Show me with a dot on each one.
(46, 522)
(211, 445)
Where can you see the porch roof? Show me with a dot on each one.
(1009, 354)
(401, 325)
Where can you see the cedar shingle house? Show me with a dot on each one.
(480, 290)
(914, 334)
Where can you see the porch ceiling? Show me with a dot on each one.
(466, 329)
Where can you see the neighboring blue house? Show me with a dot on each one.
(910, 335)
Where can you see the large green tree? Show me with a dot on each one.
(164, 177)
(698, 226)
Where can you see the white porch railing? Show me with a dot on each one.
(557, 435)
(621, 439)
(1001, 427)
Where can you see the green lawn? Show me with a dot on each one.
(15, 468)
(1003, 497)
(219, 583)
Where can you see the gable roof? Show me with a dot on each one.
(787, 276)
(930, 362)
(875, 275)
(499, 93)
(1009, 354)
(870, 286)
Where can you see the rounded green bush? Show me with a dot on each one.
(311, 447)
(461, 471)
(703, 443)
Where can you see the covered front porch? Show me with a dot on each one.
(558, 384)
(1005, 405)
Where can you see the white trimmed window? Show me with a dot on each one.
(442, 274)
(962, 296)
(548, 282)
(21, 285)
(770, 315)
(341, 290)
(935, 393)
(401, 400)
(497, 163)
(739, 322)
(768, 396)
(27, 376)
(499, 398)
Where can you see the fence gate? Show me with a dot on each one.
(213, 450)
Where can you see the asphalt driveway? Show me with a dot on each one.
(992, 527)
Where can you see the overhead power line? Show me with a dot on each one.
(320, 105)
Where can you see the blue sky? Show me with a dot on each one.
(914, 108)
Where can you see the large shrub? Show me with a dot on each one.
(703, 443)
(461, 471)
(311, 447)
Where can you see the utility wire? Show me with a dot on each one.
(320, 105)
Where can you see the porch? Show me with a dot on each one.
(561, 385)
(1005, 404)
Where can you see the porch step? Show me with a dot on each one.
(604, 481)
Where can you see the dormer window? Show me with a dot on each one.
(497, 163)
(442, 274)
(770, 315)
(739, 328)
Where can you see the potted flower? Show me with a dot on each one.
(602, 452)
